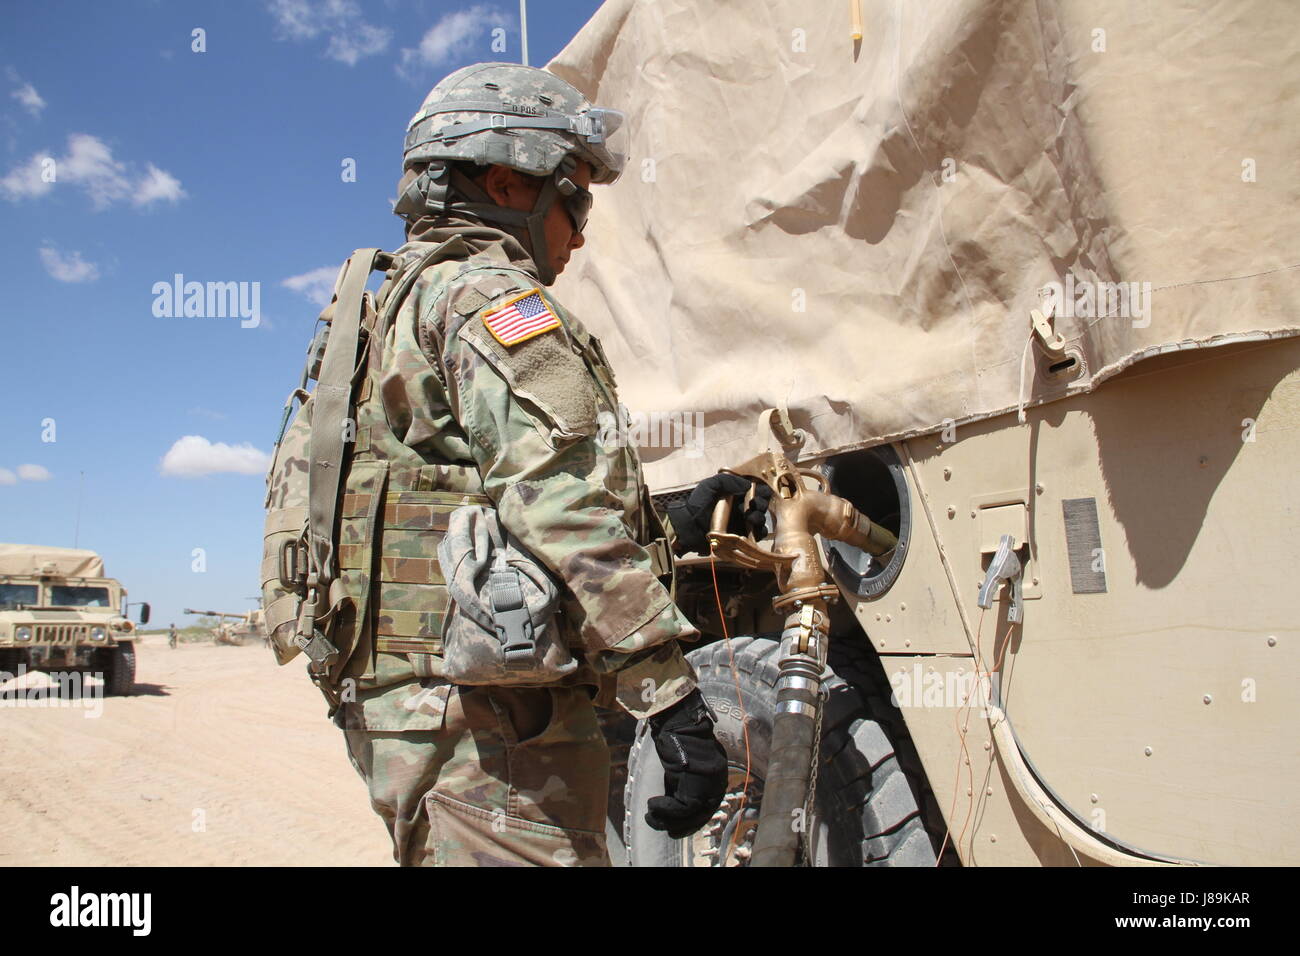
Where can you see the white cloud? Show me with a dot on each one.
(365, 40)
(25, 93)
(317, 286)
(69, 268)
(25, 180)
(31, 100)
(7, 477)
(296, 19)
(209, 413)
(90, 165)
(33, 473)
(452, 36)
(193, 456)
(350, 37)
(157, 184)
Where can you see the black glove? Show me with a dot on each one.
(691, 517)
(695, 768)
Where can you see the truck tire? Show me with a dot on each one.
(119, 670)
(870, 788)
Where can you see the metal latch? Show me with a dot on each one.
(1052, 341)
(1005, 566)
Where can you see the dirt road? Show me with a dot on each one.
(221, 758)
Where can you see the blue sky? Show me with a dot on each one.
(223, 166)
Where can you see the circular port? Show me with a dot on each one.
(873, 481)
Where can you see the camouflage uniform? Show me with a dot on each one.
(448, 415)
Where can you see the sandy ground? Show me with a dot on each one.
(221, 758)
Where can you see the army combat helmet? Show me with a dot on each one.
(509, 115)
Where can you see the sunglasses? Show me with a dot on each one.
(577, 202)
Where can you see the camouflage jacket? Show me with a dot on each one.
(524, 415)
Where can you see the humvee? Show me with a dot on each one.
(58, 612)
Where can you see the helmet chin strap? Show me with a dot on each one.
(432, 192)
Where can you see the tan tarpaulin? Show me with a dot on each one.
(36, 559)
(861, 236)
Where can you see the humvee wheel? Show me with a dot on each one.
(869, 789)
(119, 671)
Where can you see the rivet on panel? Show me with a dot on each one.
(1147, 751)
(988, 792)
(987, 745)
(902, 607)
(907, 643)
(1272, 641)
(952, 512)
(889, 618)
(993, 838)
(1039, 488)
(1208, 699)
(1035, 580)
(1093, 797)
(947, 473)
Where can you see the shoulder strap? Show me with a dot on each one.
(332, 404)
(332, 399)
(402, 283)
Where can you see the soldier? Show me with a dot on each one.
(171, 637)
(489, 392)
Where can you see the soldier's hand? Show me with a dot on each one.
(695, 768)
(691, 517)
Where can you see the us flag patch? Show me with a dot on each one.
(521, 318)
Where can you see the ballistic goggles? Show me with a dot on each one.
(577, 201)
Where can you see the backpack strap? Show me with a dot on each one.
(332, 406)
(332, 401)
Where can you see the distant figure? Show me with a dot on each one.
(171, 637)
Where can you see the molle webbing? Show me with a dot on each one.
(407, 594)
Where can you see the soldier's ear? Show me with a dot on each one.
(497, 184)
(511, 188)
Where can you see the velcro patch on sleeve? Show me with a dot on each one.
(521, 318)
(544, 369)
(471, 302)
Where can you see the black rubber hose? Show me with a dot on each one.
(785, 786)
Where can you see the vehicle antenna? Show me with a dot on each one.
(523, 29)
